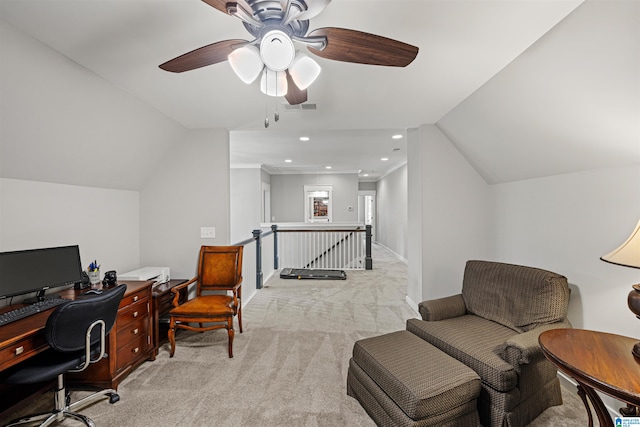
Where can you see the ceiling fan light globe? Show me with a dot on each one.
(246, 63)
(273, 83)
(277, 50)
(304, 71)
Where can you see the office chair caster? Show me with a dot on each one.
(113, 398)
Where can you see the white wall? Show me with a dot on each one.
(246, 202)
(104, 223)
(565, 224)
(450, 209)
(190, 191)
(59, 122)
(287, 196)
(391, 210)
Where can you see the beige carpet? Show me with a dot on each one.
(289, 366)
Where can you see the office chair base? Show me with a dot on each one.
(64, 409)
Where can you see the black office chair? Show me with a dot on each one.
(76, 333)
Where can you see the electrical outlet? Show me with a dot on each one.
(207, 232)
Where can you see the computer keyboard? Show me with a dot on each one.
(30, 310)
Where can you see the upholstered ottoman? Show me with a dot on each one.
(401, 380)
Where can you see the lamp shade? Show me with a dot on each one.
(627, 254)
(246, 63)
(304, 71)
(273, 83)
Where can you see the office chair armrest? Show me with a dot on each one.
(87, 347)
(176, 291)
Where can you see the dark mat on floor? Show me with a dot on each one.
(312, 273)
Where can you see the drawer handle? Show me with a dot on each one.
(135, 331)
(19, 350)
(136, 350)
(135, 314)
(135, 298)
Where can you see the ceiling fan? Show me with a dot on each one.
(275, 26)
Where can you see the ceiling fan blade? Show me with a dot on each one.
(221, 5)
(363, 48)
(206, 55)
(294, 95)
(314, 7)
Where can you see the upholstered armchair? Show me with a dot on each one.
(493, 327)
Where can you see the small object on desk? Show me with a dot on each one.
(93, 292)
(94, 272)
(110, 278)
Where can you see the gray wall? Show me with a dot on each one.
(287, 196)
(367, 186)
(246, 202)
(143, 206)
(177, 200)
(391, 210)
(105, 223)
(450, 209)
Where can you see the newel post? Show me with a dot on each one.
(276, 258)
(257, 235)
(368, 261)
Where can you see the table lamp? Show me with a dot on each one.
(628, 255)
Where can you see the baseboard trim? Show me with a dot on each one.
(405, 261)
(412, 304)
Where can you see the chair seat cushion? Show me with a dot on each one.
(474, 341)
(422, 380)
(205, 306)
(44, 367)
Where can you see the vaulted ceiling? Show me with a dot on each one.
(522, 88)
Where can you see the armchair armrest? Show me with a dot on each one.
(523, 348)
(176, 291)
(442, 308)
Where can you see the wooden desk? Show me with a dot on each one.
(597, 361)
(129, 344)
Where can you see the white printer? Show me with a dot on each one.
(157, 274)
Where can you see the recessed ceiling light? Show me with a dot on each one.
(327, 167)
(397, 136)
(384, 159)
(304, 138)
(288, 160)
(366, 174)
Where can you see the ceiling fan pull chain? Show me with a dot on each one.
(266, 102)
(276, 115)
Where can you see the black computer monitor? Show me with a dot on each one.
(35, 270)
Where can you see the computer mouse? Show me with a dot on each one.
(93, 292)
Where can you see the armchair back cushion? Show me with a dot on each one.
(518, 297)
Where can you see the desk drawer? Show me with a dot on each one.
(139, 310)
(128, 354)
(135, 297)
(131, 331)
(22, 350)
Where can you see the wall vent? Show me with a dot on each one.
(300, 107)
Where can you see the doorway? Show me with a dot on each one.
(266, 203)
(367, 209)
(318, 201)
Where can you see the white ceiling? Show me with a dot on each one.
(523, 88)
